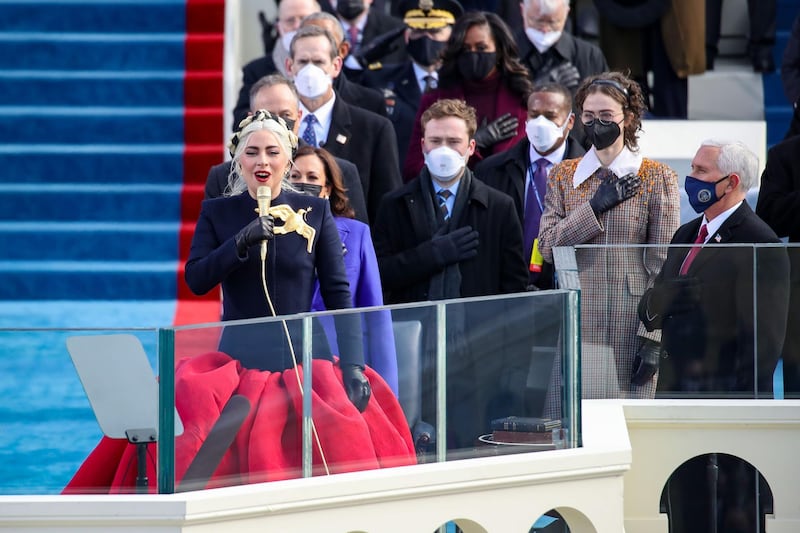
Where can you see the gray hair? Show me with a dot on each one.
(546, 7)
(271, 80)
(736, 158)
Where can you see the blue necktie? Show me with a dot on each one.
(309, 135)
(533, 213)
(442, 197)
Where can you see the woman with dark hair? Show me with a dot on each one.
(480, 66)
(613, 196)
(316, 173)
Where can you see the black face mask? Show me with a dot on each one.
(425, 50)
(289, 123)
(475, 66)
(308, 188)
(602, 135)
(350, 9)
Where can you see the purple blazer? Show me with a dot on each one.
(365, 287)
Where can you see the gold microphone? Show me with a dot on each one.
(263, 197)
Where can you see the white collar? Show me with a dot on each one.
(323, 114)
(625, 163)
(713, 227)
(420, 73)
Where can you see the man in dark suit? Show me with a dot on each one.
(552, 54)
(716, 316)
(446, 235)
(779, 206)
(277, 95)
(290, 15)
(402, 84)
(346, 131)
(363, 24)
(703, 299)
(522, 171)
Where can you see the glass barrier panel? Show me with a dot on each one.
(69, 396)
(440, 374)
(717, 316)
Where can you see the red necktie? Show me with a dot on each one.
(352, 32)
(701, 238)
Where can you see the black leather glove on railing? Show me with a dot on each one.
(566, 74)
(645, 364)
(255, 232)
(456, 246)
(269, 33)
(356, 386)
(613, 191)
(502, 128)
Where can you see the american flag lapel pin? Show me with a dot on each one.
(717, 237)
(341, 139)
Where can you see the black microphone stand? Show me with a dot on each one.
(141, 438)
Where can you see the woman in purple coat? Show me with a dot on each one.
(316, 173)
(480, 65)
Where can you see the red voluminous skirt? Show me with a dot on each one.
(268, 445)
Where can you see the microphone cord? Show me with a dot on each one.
(294, 357)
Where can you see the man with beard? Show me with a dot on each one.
(521, 172)
(428, 27)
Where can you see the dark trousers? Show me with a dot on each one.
(762, 15)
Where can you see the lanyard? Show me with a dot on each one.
(535, 188)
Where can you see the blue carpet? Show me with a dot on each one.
(91, 136)
(48, 425)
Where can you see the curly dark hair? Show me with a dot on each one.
(340, 203)
(512, 72)
(633, 105)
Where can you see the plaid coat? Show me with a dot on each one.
(612, 279)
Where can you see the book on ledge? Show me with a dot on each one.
(526, 424)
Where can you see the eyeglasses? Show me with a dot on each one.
(606, 118)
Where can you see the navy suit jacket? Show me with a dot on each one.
(368, 141)
(719, 334)
(291, 273)
(402, 98)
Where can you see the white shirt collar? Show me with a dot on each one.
(420, 73)
(713, 226)
(625, 163)
(324, 116)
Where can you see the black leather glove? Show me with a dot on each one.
(613, 191)
(454, 247)
(502, 128)
(269, 33)
(356, 386)
(255, 232)
(645, 364)
(566, 74)
(675, 296)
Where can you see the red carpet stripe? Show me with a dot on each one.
(205, 22)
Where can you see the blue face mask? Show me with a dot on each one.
(702, 194)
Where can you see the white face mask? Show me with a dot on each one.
(444, 163)
(311, 81)
(543, 133)
(542, 40)
(286, 39)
